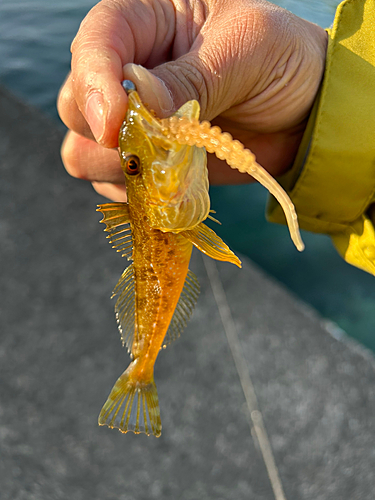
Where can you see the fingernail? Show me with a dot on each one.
(152, 89)
(95, 114)
(164, 97)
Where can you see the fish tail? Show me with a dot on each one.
(132, 405)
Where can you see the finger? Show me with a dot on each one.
(85, 159)
(203, 74)
(151, 89)
(112, 35)
(96, 74)
(69, 111)
(170, 85)
(115, 192)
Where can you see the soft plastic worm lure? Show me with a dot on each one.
(201, 134)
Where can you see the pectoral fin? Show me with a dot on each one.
(208, 242)
(116, 218)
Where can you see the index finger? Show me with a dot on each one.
(110, 36)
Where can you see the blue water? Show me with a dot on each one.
(35, 36)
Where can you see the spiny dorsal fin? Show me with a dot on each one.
(125, 306)
(184, 308)
(114, 214)
(116, 218)
(208, 242)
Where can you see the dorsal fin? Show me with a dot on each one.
(117, 220)
(208, 242)
(125, 306)
(184, 308)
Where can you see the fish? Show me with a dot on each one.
(167, 190)
(164, 162)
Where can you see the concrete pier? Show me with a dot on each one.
(258, 399)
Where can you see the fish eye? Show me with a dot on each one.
(132, 164)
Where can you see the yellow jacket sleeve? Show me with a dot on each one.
(332, 182)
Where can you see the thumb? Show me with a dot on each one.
(168, 86)
(151, 89)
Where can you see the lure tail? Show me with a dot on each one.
(132, 405)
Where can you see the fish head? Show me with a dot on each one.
(165, 179)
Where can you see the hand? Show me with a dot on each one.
(254, 68)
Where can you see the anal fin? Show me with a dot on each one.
(184, 308)
(208, 242)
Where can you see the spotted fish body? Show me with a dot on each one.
(161, 261)
(167, 189)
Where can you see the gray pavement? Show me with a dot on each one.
(60, 354)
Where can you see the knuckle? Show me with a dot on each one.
(70, 158)
(100, 187)
(191, 81)
(64, 100)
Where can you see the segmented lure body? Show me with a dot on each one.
(201, 134)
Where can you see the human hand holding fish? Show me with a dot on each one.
(164, 163)
(253, 67)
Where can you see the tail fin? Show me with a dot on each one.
(132, 406)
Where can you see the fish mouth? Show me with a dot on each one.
(173, 176)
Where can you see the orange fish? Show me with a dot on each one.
(164, 163)
(167, 188)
